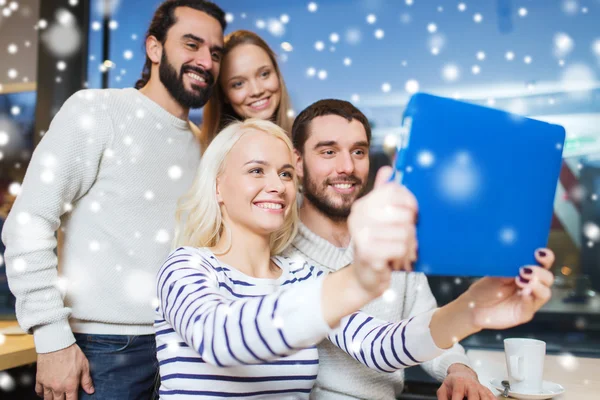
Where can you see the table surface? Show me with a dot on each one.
(578, 375)
(15, 350)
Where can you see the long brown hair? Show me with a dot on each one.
(218, 113)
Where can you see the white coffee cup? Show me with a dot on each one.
(525, 364)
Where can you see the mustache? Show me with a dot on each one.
(345, 179)
(208, 77)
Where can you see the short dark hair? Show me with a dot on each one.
(337, 107)
(164, 18)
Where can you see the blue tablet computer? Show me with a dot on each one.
(485, 181)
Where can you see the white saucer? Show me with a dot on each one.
(549, 390)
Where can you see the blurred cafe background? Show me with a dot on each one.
(539, 58)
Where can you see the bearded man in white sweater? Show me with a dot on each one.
(331, 140)
(108, 173)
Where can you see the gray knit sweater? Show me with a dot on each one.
(108, 172)
(340, 376)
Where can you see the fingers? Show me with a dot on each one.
(383, 175)
(48, 393)
(39, 389)
(86, 379)
(530, 276)
(486, 394)
(442, 393)
(536, 282)
(545, 257)
(459, 391)
(58, 396)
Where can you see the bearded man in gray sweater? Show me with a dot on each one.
(331, 140)
(109, 172)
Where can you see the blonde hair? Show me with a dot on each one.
(199, 221)
(217, 113)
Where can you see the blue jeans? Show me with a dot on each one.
(122, 367)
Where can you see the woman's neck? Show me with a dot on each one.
(248, 252)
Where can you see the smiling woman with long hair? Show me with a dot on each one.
(250, 86)
(236, 319)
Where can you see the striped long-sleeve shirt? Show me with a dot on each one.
(223, 334)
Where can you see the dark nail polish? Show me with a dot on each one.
(523, 280)
(527, 270)
(542, 253)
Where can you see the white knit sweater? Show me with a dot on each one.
(340, 377)
(109, 172)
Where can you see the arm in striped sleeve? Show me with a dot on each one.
(383, 346)
(229, 332)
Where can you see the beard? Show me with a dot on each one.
(325, 203)
(195, 98)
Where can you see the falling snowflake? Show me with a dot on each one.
(459, 179)
(379, 33)
(19, 265)
(389, 295)
(312, 7)
(7, 382)
(591, 231)
(4, 138)
(508, 235)
(275, 27)
(386, 87)
(596, 47)
(334, 37)
(286, 46)
(260, 24)
(347, 61)
(570, 7)
(229, 17)
(477, 18)
(563, 44)
(450, 73)
(96, 26)
(322, 74)
(411, 86)
(12, 73)
(371, 19)
(462, 7)
(425, 159)
(12, 48)
(319, 45)
(475, 69)
(47, 176)
(149, 195)
(310, 72)
(480, 55)
(353, 36)
(23, 218)
(509, 55)
(355, 98)
(568, 361)
(14, 188)
(95, 207)
(284, 18)
(278, 322)
(175, 172)
(522, 12)
(432, 28)
(162, 236)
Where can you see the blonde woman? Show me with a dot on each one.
(250, 86)
(237, 320)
